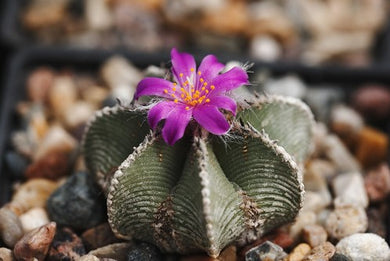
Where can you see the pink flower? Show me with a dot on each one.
(194, 94)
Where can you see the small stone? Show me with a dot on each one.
(265, 48)
(6, 254)
(373, 102)
(10, 227)
(77, 114)
(346, 221)
(33, 193)
(349, 190)
(322, 216)
(89, 258)
(265, 251)
(316, 201)
(66, 245)
(34, 218)
(117, 251)
(203, 257)
(123, 93)
(299, 252)
(320, 167)
(376, 220)
(338, 154)
(94, 95)
(321, 252)
(339, 257)
(155, 71)
(56, 139)
(286, 86)
(36, 243)
(377, 183)
(16, 163)
(303, 219)
(364, 246)
(38, 83)
(37, 123)
(99, 236)
(117, 71)
(52, 166)
(372, 147)
(314, 235)
(228, 254)
(62, 95)
(109, 101)
(78, 203)
(98, 15)
(144, 252)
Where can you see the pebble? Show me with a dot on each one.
(228, 254)
(62, 95)
(78, 114)
(78, 203)
(56, 139)
(16, 164)
(303, 219)
(265, 48)
(314, 235)
(36, 243)
(287, 86)
(372, 147)
(346, 221)
(349, 190)
(322, 252)
(117, 251)
(6, 254)
(338, 154)
(364, 246)
(322, 168)
(373, 102)
(98, 15)
(265, 251)
(38, 83)
(377, 183)
(66, 245)
(376, 220)
(339, 257)
(117, 71)
(94, 95)
(52, 166)
(34, 218)
(89, 258)
(316, 201)
(144, 252)
(33, 193)
(37, 123)
(99, 236)
(11, 229)
(203, 257)
(299, 252)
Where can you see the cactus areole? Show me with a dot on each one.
(205, 172)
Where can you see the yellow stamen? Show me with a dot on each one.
(176, 100)
(207, 100)
(165, 91)
(203, 88)
(182, 95)
(205, 84)
(187, 108)
(212, 87)
(201, 80)
(174, 84)
(181, 74)
(207, 91)
(192, 69)
(173, 95)
(174, 89)
(199, 73)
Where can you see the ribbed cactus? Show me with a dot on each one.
(206, 191)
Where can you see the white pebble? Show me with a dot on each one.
(365, 247)
(265, 48)
(35, 217)
(349, 190)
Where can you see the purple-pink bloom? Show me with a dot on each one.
(194, 94)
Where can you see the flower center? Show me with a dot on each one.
(188, 93)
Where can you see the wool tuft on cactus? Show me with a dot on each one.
(193, 171)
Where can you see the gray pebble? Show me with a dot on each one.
(10, 227)
(78, 203)
(144, 252)
(16, 163)
(265, 251)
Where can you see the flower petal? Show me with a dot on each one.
(210, 118)
(210, 68)
(224, 102)
(153, 86)
(176, 123)
(230, 80)
(159, 112)
(182, 63)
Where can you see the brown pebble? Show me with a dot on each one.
(373, 102)
(117, 251)
(38, 84)
(322, 252)
(372, 147)
(299, 252)
(66, 245)
(228, 254)
(197, 258)
(314, 235)
(11, 229)
(99, 236)
(36, 243)
(52, 166)
(377, 183)
(6, 254)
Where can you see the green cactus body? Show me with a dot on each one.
(206, 191)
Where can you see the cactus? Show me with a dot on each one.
(205, 191)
